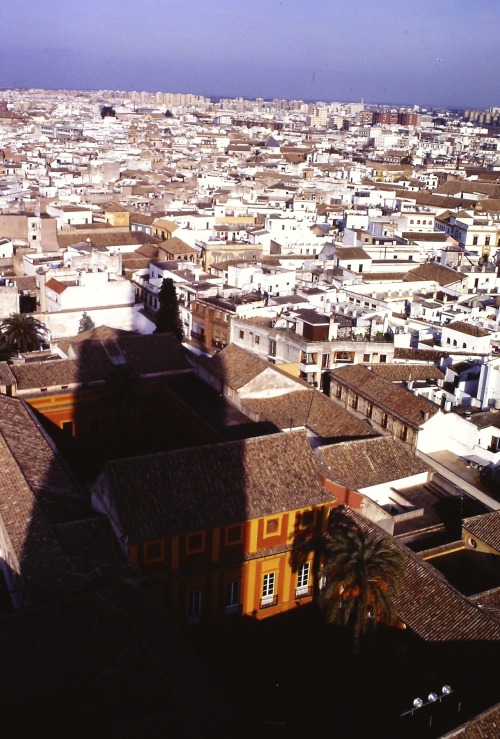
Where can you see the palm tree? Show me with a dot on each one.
(22, 333)
(362, 573)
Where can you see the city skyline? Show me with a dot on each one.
(432, 55)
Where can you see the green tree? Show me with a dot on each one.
(22, 333)
(362, 573)
(86, 323)
(168, 318)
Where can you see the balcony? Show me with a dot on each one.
(268, 601)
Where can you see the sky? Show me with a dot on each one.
(425, 52)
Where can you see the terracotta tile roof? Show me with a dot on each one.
(486, 419)
(109, 238)
(381, 277)
(484, 726)
(311, 409)
(398, 401)
(153, 354)
(165, 224)
(55, 285)
(436, 272)
(114, 207)
(422, 355)
(394, 372)
(89, 367)
(165, 494)
(367, 462)
(351, 252)
(467, 328)
(177, 246)
(146, 354)
(141, 218)
(31, 473)
(485, 527)
(235, 366)
(429, 605)
(6, 376)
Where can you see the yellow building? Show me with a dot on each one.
(221, 529)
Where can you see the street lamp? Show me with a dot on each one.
(431, 698)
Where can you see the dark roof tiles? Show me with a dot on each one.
(366, 462)
(201, 488)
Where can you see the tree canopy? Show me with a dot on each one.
(86, 323)
(22, 333)
(362, 573)
(168, 317)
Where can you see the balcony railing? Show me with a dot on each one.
(303, 591)
(267, 601)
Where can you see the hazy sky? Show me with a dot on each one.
(438, 52)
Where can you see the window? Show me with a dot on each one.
(242, 334)
(272, 526)
(384, 420)
(404, 433)
(272, 348)
(475, 240)
(354, 402)
(232, 596)
(302, 588)
(366, 357)
(487, 241)
(383, 358)
(234, 534)
(257, 339)
(195, 543)
(325, 361)
(268, 590)
(308, 518)
(153, 552)
(194, 607)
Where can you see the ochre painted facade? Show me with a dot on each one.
(256, 568)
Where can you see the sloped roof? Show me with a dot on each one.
(55, 285)
(398, 372)
(429, 605)
(171, 493)
(351, 252)
(411, 409)
(235, 366)
(485, 527)
(146, 354)
(436, 272)
(31, 473)
(177, 246)
(311, 409)
(361, 464)
(467, 328)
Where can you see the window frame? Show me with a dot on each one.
(303, 588)
(193, 549)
